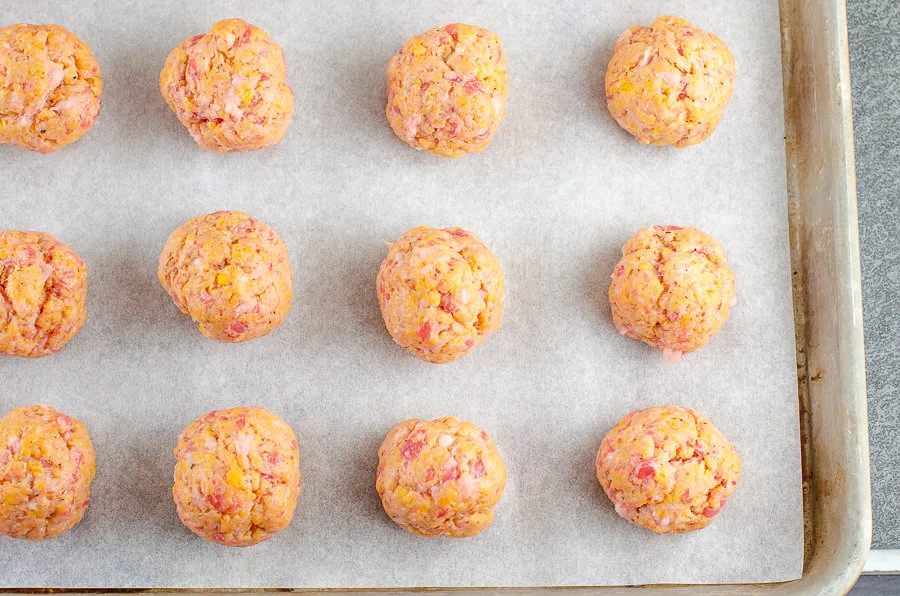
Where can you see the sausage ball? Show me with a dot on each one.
(50, 87)
(667, 469)
(43, 287)
(441, 292)
(230, 273)
(669, 83)
(440, 478)
(228, 88)
(447, 90)
(46, 470)
(237, 476)
(672, 289)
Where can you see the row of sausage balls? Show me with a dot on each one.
(441, 291)
(667, 84)
(237, 474)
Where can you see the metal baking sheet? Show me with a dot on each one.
(554, 196)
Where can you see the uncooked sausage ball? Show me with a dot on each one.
(230, 273)
(669, 83)
(46, 470)
(440, 478)
(228, 88)
(672, 289)
(441, 292)
(667, 469)
(50, 87)
(237, 476)
(447, 90)
(43, 287)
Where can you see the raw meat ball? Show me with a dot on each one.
(669, 83)
(667, 469)
(672, 289)
(447, 90)
(43, 287)
(237, 476)
(441, 292)
(50, 87)
(440, 478)
(228, 88)
(46, 470)
(230, 272)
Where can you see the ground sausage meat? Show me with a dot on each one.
(46, 470)
(441, 292)
(237, 476)
(667, 469)
(50, 87)
(447, 90)
(230, 272)
(440, 478)
(43, 287)
(672, 289)
(669, 83)
(228, 88)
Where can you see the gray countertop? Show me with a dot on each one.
(874, 28)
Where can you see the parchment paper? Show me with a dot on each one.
(555, 196)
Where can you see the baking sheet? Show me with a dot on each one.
(554, 196)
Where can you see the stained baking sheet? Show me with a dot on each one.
(554, 196)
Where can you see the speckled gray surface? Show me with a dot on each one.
(874, 27)
(877, 585)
